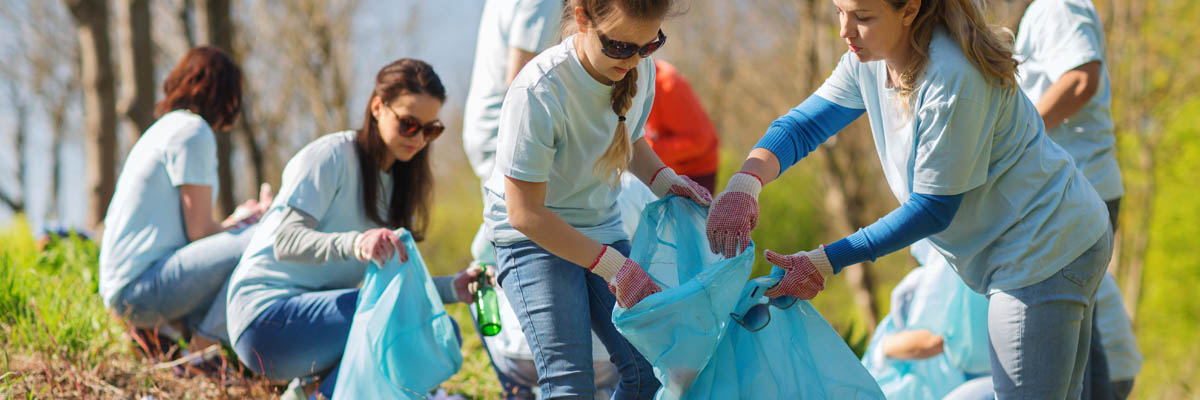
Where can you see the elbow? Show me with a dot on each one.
(939, 225)
(521, 218)
(1087, 89)
(195, 233)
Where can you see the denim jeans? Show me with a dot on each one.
(303, 335)
(559, 304)
(1040, 334)
(189, 284)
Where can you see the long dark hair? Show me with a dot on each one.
(412, 186)
(206, 82)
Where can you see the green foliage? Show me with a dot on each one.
(48, 300)
(1168, 314)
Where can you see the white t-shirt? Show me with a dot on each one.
(555, 123)
(1026, 211)
(145, 218)
(529, 25)
(1056, 36)
(323, 180)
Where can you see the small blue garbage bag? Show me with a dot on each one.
(690, 335)
(402, 344)
(933, 298)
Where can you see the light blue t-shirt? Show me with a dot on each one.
(529, 25)
(323, 180)
(556, 122)
(1056, 36)
(1026, 210)
(145, 222)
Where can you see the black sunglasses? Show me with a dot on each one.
(759, 315)
(410, 125)
(622, 50)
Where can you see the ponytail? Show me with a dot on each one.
(616, 157)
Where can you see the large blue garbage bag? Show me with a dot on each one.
(402, 343)
(688, 333)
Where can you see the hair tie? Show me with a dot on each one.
(620, 118)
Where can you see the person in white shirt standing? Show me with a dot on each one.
(1060, 44)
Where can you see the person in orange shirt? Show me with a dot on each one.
(679, 130)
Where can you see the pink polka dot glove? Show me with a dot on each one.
(806, 273)
(733, 215)
(666, 181)
(626, 279)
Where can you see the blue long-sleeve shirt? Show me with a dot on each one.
(797, 133)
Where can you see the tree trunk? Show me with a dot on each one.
(15, 200)
(252, 148)
(845, 194)
(91, 20)
(137, 69)
(216, 29)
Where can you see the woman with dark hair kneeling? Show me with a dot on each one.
(163, 259)
(293, 296)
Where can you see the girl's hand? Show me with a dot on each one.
(466, 282)
(626, 279)
(379, 245)
(666, 181)
(265, 198)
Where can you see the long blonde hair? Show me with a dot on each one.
(616, 157)
(989, 48)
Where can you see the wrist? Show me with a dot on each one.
(661, 181)
(608, 263)
(358, 253)
(745, 182)
(820, 260)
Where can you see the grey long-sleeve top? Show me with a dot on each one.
(298, 241)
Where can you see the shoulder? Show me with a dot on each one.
(948, 68)
(542, 71)
(331, 150)
(1044, 13)
(184, 126)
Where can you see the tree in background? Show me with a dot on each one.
(100, 118)
(136, 103)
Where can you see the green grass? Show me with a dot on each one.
(47, 301)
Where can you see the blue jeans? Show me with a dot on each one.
(189, 284)
(300, 336)
(559, 304)
(1040, 334)
(303, 335)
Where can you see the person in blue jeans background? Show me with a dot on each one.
(292, 298)
(511, 32)
(1063, 70)
(966, 155)
(163, 259)
(571, 124)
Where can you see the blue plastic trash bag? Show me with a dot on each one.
(689, 334)
(402, 344)
(934, 298)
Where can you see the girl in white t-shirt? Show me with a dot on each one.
(966, 154)
(293, 296)
(163, 258)
(571, 123)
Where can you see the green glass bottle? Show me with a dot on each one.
(487, 308)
